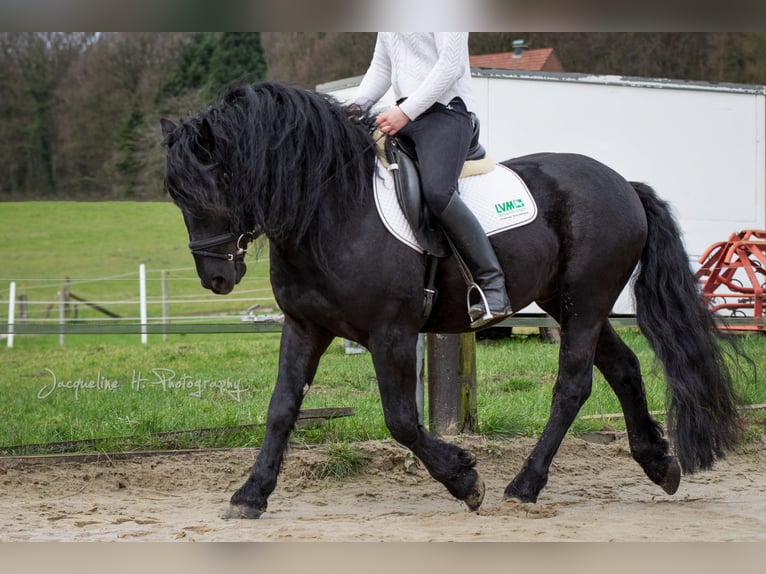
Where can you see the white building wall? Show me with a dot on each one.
(699, 145)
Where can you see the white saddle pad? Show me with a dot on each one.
(499, 199)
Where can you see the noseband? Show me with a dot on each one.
(200, 246)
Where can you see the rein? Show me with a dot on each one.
(200, 246)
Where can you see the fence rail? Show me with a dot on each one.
(128, 310)
(19, 323)
(190, 328)
(137, 328)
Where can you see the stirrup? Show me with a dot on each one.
(482, 318)
(478, 320)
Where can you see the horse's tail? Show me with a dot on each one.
(703, 421)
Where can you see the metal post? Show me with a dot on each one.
(142, 301)
(452, 383)
(164, 304)
(11, 312)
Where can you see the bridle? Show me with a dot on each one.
(200, 246)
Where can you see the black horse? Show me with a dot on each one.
(289, 164)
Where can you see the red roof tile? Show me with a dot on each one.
(540, 59)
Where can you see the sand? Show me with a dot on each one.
(596, 492)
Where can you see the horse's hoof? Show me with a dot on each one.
(514, 492)
(672, 477)
(476, 496)
(242, 511)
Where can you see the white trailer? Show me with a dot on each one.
(699, 145)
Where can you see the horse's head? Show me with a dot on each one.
(197, 183)
(272, 157)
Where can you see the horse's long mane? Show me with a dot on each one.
(276, 158)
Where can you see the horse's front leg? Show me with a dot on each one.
(301, 347)
(395, 358)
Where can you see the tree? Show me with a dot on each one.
(209, 62)
(192, 68)
(106, 123)
(12, 124)
(35, 62)
(310, 58)
(237, 57)
(129, 163)
(79, 111)
(701, 56)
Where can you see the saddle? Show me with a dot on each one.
(402, 161)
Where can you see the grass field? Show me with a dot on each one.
(100, 246)
(121, 394)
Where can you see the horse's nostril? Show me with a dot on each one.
(220, 286)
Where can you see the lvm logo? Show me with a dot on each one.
(508, 206)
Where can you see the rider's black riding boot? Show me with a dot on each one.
(468, 236)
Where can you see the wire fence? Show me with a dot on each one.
(141, 303)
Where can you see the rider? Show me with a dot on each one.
(431, 79)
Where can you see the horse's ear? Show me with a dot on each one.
(206, 133)
(168, 127)
(204, 142)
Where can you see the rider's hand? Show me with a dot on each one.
(392, 120)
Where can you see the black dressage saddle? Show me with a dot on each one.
(403, 165)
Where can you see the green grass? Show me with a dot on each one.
(343, 461)
(225, 380)
(121, 393)
(100, 246)
(514, 394)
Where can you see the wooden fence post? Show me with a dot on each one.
(452, 383)
(420, 386)
(63, 302)
(23, 310)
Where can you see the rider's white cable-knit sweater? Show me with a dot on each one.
(424, 67)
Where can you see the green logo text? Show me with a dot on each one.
(507, 206)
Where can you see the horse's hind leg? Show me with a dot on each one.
(621, 369)
(394, 357)
(301, 347)
(572, 388)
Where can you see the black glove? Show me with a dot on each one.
(355, 113)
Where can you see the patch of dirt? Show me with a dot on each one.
(596, 492)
